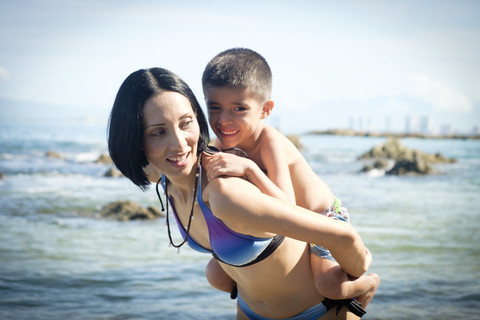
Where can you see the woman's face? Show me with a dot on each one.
(171, 134)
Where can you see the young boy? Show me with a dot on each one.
(237, 85)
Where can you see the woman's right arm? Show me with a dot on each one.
(246, 210)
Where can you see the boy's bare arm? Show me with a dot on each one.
(275, 160)
(225, 164)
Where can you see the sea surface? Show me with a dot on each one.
(59, 261)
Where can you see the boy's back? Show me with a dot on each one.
(310, 191)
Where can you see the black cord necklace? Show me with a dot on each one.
(197, 174)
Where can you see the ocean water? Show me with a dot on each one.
(57, 261)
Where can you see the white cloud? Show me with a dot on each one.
(4, 75)
(441, 96)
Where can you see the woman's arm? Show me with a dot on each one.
(245, 209)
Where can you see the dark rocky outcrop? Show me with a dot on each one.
(114, 173)
(417, 165)
(104, 158)
(127, 210)
(354, 133)
(53, 154)
(295, 139)
(396, 159)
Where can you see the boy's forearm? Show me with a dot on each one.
(256, 176)
(353, 256)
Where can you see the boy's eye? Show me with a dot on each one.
(241, 109)
(213, 108)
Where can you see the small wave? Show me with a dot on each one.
(11, 156)
(82, 157)
(376, 173)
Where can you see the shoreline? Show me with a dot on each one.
(353, 133)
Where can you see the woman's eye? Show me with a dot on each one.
(186, 123)
(157, 133)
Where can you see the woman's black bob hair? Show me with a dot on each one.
(125, 127)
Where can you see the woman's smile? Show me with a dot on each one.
(179, 160)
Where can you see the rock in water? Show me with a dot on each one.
(114, 173)
(416, 166)
(406, 160)
(128, 210)
(104, 158)
(53, 154)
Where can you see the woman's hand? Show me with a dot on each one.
(226, 164)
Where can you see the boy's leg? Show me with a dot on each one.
(217, 277)
(332, 282)
(327, 277)
(366, 297)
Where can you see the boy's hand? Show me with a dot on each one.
(225, 164)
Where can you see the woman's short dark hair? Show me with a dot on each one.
(125, 127)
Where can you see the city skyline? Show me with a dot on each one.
(415, 124)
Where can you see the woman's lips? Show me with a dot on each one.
(179, 160)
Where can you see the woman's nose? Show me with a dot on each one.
(177, 140)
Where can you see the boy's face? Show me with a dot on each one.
(234, 115)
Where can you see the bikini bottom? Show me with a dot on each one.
(312, 313)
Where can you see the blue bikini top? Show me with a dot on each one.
(228, 246)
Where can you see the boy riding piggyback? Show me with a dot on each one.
(237, 85)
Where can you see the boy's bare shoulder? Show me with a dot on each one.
(274, 144)
(274, 137)
(270, 134)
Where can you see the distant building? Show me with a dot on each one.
(426, 125)
(447, 129)
(352, 123)
(411, 124)
(476, 131)
(388, 124)
(360, 123)
(417, 124)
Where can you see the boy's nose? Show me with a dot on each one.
(224, 117)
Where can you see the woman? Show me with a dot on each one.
(261, 242)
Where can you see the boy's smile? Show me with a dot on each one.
(227, 133)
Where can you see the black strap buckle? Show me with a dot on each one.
(353, 305)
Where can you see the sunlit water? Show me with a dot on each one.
(58, 262)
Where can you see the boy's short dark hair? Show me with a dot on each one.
(125, 127)
(239, 68)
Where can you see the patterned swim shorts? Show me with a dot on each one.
(336, 211)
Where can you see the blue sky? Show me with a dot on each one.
(335, 63)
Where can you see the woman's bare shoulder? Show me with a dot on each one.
(228, 191)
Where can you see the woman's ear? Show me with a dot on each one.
(267, 109)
